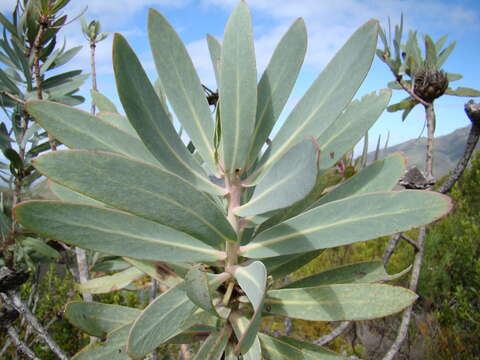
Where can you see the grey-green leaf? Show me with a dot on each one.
(293, 176)
(151, 120)
(141, 189)
(198, 290)
(349, 220)
(160, 321)
(280, 266)
(109, 283)
(289, 348)
(238, 89)
(329, 94)
(381, 175)
(277, 83)
(103, 103)
(214, 346)
(463, 91)
(339, 302)
(182, 85)
(114, 348)
(65, 194)
(342, 135)
(78, 129)
(112, 232)
(98, 319)
(215, 49)
(364, 272)
(118, 121)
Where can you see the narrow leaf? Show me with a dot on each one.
(293, 176)
(238, 89)
(65, 194)
(198, 290)
(329, 94)
(342, 135)
(364, 272)
(215, 49)
(98, 319)
(78, 129)
(463, 91)
(159, 321)
(114, 348)
(381, 175)
(285, 347)
(444, 54)
(182, 85)
(339, 302)
(106, 284)
(112, 232)
(40, 247)
(240, 326)
(119, 121)
(103, 103)
(353, 219)
(279, 266)
(141, 189)
(151, 120)
(214, 346)
(277, 83)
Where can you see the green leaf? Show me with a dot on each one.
(339, 302)
(152, 122)
(342, 135)
(146, 267)
(106, 284)
(430, 51)
(214, 346)
(114, 348)
(103, 103)
(68, 195)
(288, 348)
(112, 232)
(160, 321)
(279, 266)
(215, 49)
(454, 77)
(405, 104)
(381, 175)
(66, 57)
(182, 85)
(444, 54)
(240, 326)
(118, 121)
(8, 25)
(194, 334)
(40, 247)
(364, 272)
(353, 219)
(441, 42)
(463, 91)
(277, 83)
(15, 159)
(141, 189)
(199, 291)
(252, 278)
(238, 89)
(78, 129)
(9, 84)
(98, 319)
(329, 94)
(293, 176)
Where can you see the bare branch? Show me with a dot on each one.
(12, 97)
(407, 314)
(14, 300)
(21, 346)
(339, 330)
(473, 112)
(392, 244)
(410, 241)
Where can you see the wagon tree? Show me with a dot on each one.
(232, 210)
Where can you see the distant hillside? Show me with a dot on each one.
(447, 151)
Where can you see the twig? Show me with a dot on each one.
(430, 116)
(14, 300)
(392, 244)
(153, 295)
(339, 330)
(473, 112)
(410, 91)
(7, 344)
(21, 346)
(13, 97)
(410, 241)
(407, 314)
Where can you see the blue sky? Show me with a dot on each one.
(329, 25)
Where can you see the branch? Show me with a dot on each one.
(409, 90)
(21, 346)
(339, 330)
(14, 300)
(392, 244)
(473, 112)
(12, 97)
(407, 314)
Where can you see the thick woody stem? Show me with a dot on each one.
(430, 115)
(22, 348)
(94, 71)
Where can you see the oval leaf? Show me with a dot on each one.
(106, 284)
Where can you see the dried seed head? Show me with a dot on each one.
(430, 83)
